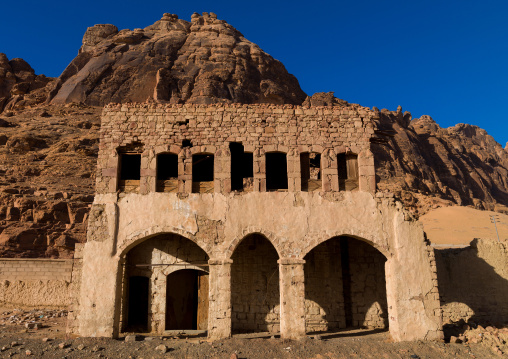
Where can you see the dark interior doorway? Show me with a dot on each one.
(187, 300)
(138, 304)
(276, 171)
(167, 172)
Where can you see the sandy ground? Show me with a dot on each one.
(460, 225)
(52, 344)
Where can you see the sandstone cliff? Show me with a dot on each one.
(427, 166)
(203, 61)
(48, 151)
(19, 85)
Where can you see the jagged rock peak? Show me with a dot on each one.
(202, 61)
(17, 79)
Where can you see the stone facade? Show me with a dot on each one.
(296, 241)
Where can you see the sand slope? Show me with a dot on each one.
(460, 225)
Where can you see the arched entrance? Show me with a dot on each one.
(255, 286)
(166, 277)
(345, 286)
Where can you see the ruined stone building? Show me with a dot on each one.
(249, 218)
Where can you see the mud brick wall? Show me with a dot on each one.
(260, 128)
(255, 286)
(42, 283)
(35, 269)
(368, 286)
(324, 299)
(473, 283)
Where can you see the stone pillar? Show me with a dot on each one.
(292, 298)
(219, 310)
(329, 172)
(259, 171)
(294, 172)
(222, 171)
(185, 171)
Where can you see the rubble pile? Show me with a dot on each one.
(492, 337)
(33, 319)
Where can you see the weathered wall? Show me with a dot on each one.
(294, 222)
(473, 282)
(261, 129)
(42, 283)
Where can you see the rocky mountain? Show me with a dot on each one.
(203, 61)
(427, 166)
(49, 127)
(19, 85)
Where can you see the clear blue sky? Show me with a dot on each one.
(447, 59)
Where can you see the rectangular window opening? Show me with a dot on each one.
(167, 172)
(347, 166)
(202, 173)
(130, 172)
(242, 168)
(310, 166)
(276, 171)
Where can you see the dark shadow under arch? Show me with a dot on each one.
(255, 286)
(345, 286)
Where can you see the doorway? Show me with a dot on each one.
(187, 300)
(138, 304)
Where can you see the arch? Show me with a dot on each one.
(345, 285)
(151, 232)
(313, 240)
(272, 238)
(255, 293)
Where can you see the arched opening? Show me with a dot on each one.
(347, 166)
(202, 173)
(255, 286)
(167, 172)
(174, 290)
(310, 167)
(345, 286)
(187, 300)
(276, 171)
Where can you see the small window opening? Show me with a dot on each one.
(242, 168)
(130, 172)
(186, 143)
(276, 171)
(202, 173)
(310, 166)
(167, 172)
(347, 166)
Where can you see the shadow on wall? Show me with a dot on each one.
(473, 285)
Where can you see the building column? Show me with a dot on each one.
(292, 298)
(219, 310)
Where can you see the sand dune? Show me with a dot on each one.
(460, 225)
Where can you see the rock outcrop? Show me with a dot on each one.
(203, 61)
(19, 85)
(427, 166)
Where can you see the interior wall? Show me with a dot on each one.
(255, 286)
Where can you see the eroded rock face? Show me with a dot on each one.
(19, 85)
(428, 166)
(203, 61)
